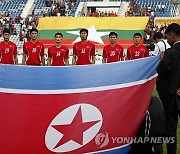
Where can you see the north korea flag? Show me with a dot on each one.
(73, 109)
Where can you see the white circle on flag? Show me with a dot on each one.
(89, 113)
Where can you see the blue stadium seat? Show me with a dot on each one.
(167, 11)
(7, 6)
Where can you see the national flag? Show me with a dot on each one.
(99, 29)
(73, 109)
(161, 21)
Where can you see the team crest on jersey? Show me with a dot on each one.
(7, 50)
(33, 49)
(88, 47)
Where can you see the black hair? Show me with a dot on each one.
(6, 30)
(113, 33)
(137, 34)
(33, 30)
(157, 35)
(58, 34)
(83, 30)
(174, 27)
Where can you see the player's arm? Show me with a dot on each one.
(74, 55)
(43, 60)
(24, 55)
(104, 60)
(74, 60)
(128, 55)
(42, 56)
(146, 53)
(93, 59)
(24, 59)
(49, 62)
(66, 61)
(104, 55)
(15, 55)
(16, 59)
(93, 55)
(66, 58)
(121, 57)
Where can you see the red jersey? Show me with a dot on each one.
(7, 52)
(84, 52)
(113, 54)
(58, 55)
(134, 52)
(33, 51)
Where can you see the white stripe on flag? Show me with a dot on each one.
(81, 90)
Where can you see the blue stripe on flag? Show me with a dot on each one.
(118, 150)
(75, 77)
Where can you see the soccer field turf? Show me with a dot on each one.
(178, 131)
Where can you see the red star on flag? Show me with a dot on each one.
(74, 131)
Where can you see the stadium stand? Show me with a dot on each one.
(162, 8)
(55, 7)
(14, 7)
(146, 7)
(175, 11)
(10, 11)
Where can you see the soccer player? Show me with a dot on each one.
(83, 51)
(33, 50)
(137, 50)
(58, 54)
(112, 52)
(8, 49)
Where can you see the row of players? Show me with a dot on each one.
(58, 54)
